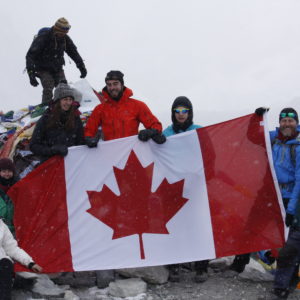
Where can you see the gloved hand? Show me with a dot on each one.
(59, 149)
(261, 110)
(159, 138)
(289, 219)
(32, 78)
(146, 134)
(91, 142)
(83, 71)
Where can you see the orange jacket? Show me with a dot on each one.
(121, 118)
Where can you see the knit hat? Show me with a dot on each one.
(115, 75)
(7, 164)
(62, 25)
(185, 102)
(290, 113)
(63, 90)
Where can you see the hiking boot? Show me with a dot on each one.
(201, 276)
(174, 273)
(275, 294)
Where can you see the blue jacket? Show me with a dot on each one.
(169, 130)
(287, 170)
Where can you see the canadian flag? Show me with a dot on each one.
(203, 194)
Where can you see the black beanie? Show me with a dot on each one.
(115, 75)
(7, 164)
(284, 113)
(185, 102)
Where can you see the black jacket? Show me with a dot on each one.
(44, 138)
(46, 52)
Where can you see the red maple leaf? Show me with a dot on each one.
(137, 210)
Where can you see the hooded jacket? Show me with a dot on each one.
(120, 118)
(44, 138)
(287, 171)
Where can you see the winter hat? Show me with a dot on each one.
(63, 90)
(185, 102)
(290, 113)
(62, 25)
(115, 75)
(7, 164)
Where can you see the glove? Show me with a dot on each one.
(289, 219)
(159, 138)
(261, 110)
(91, 142)
(146, 134)
(32, 78)
(83, 71)
(59, 149)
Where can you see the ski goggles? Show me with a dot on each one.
(288, 115)
(181, 110)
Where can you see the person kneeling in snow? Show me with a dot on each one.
(9, 251)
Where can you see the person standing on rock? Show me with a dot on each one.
(10, 252)
(285, 142)
(182, 121)
(45, 57)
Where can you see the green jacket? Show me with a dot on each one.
(7, 210)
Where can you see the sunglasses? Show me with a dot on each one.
(181, 110)
(290, 115)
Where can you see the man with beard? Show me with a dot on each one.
(45, 57)
(286, 158)
(120, 115)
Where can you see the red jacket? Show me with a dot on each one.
(121, 118)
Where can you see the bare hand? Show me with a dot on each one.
(36, 268)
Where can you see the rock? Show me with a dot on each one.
(153, 275)
(77, 279)
(44, 287)
(71, 296)
(220, 264)
(104, 277)
(127, 287)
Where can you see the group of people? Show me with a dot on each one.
(120, 116)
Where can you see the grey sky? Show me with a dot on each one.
(228, 57)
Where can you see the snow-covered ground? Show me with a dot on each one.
(253, 283)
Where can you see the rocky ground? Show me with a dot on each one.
(253, 283)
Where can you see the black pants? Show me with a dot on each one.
(6, 279)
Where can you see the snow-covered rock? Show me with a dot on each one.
(127, 288)
(153, 275)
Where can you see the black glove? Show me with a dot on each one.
(261, 110)
(59, 149)
(146, 134)
(83, 71)
(91, 142)
(159, 138)
(32, 78)
(289, 219)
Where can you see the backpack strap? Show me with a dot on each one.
(292, 149)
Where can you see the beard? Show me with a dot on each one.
(288, 131)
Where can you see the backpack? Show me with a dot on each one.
(42, 31)
(292, 150)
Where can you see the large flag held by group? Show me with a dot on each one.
(203, 194)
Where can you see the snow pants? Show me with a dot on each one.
(288, 260)
(49, 81)
(6, 278)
